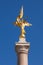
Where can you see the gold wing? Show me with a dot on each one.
(20, 15)
(21, 12)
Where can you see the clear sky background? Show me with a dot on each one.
(9, 34)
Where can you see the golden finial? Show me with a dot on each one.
(21, 23)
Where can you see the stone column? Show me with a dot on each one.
(22, 48)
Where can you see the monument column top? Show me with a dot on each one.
(22, 46)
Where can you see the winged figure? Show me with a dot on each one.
(22, 23)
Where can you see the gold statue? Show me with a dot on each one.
(21, 23)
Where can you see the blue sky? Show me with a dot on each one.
(9, 34)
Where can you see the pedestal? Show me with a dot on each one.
(22, 49)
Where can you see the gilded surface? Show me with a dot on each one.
(22, 23)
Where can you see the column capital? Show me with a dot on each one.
(22, 47)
